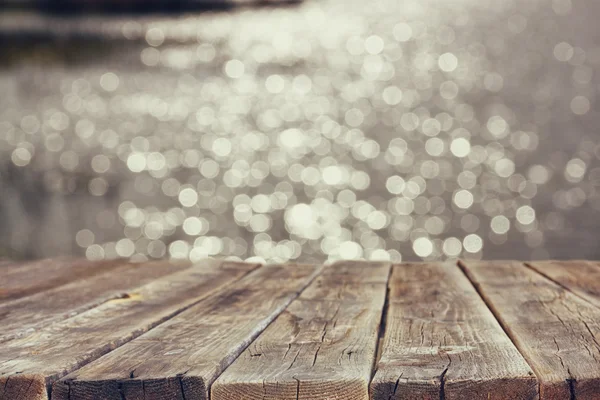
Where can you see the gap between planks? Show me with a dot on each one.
(443, 341)
(27, 374)
(460, 264)
(381, 330)
(592, 270)
(382, 327)
(565, 304)
(322, 347)
(26, 315)
(159, 363)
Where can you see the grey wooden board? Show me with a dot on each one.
(321, 347)
(22, 279)
(556, 331)
(356, 271)
(172, 337)
(182, 357)
(582, 278)
(41, 358)
(441, 341)
(28, 314)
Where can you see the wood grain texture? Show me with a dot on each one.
(358, 271)
(321, 347)
(182, 357)
(26, 315)
(41, 358)
(442, 342)
(556, 331)
(22, 279)
(582, 278)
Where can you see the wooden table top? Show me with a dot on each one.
(76, 329)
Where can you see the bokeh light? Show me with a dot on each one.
(318, 131)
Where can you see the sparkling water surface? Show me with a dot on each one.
(383, 130)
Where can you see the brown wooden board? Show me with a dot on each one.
(442, 342)
(556, 331)
(26, 315)
(28, 365)
(582, 278)
(181, 358)
(321, 347)
(359, 271)
(22, 279)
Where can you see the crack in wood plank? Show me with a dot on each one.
(323, 346)
(60, 348)
(230, 322)
(435, 317)
(527, 298)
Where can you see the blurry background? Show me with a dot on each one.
(326, 129)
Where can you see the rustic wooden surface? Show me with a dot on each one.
(324, 344)
(51, 353)
(182, 357)
(443, 342)
(556, 331)
(27, 314)
(502, 330)
(21, 279)
(581, 277)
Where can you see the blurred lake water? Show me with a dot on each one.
(390, 130)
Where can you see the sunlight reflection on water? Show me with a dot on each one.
(387, 130)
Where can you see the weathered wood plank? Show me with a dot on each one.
(22, 279)
(556, 331)
(442, 342)
(182, 357)
(359, 271)
(321, 347)
(40, 359)
(580, 277)
(354, 280)
(28, 314)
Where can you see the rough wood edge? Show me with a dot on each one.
(535, 267)
(198, 385)
(526, 384)
(461, 265)
(58, 281)
(37, 381)
(93, 303)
